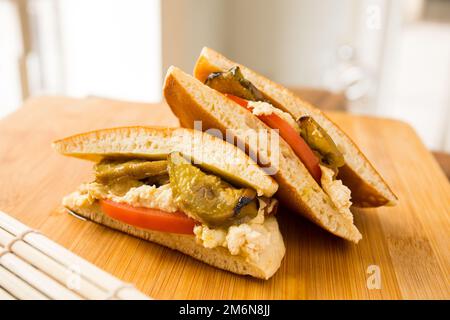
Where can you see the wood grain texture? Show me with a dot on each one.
(409, 242)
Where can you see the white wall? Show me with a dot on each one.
(291, 41)
(295, 42)
(419, 78)
(10, 50)
(189, 25)
(112, 48)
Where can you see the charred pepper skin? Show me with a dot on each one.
(207, 198)
(320, 142)
(109, 170)
(233, 82)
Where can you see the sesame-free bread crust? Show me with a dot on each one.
(191, 101)
(206, 151)
(268, 263)
(368, 188)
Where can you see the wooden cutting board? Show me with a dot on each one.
(407, 245)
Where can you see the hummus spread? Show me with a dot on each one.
(264, 108)
(247, 239)
(339, 193)
(138, 195)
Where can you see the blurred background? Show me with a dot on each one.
(387, 58)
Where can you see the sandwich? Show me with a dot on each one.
(182, 189)
(320, 171)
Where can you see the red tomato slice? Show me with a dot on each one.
(298, 145)
(239, 101)
(151, 219)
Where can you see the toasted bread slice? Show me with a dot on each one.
(368, 187)
(191, 100)
(206, 151)
(268, 263)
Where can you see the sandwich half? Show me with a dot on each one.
(182, 189)
(325, 201)
(368, 188)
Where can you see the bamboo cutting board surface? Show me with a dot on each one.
(409, 243)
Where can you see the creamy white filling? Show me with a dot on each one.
(247, 239)
(265, 108)
(141, 196)
(339, 194)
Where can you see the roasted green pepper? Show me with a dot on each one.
(320, 142)
(206, 197)
(233, 82)
(108, 171)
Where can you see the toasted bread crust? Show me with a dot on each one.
(156, 143)
(364, 193)
(268, 264)
(303, 195)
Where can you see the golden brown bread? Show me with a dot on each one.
(368, 187)
(268, 263)
(205, 150)
(208, 152)
(191, 100)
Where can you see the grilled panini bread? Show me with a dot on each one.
(212, 158)
(191, 100)
(367, 186)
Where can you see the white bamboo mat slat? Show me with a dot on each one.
(21, 290)
(34, 267)
(4, 295)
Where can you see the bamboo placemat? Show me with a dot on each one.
(34, 267)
